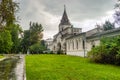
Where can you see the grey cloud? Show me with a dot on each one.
(79, 9)
(43, 11)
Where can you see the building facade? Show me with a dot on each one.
(73, 41)
(80, 44)
(66, 30)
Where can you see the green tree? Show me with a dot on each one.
(32, 38)
(35, 32)
(107, 52)
(15, 31)
(8, 8)
(25, 43)
(37, 48)
(108, 25)
(5, 41)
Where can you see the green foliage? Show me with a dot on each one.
(5, 41)
(107, 52)
(8, 8)
(64, 67)
(37, 48)
(25, 43)
(1, 56)
(35, 32)
(15, 30)
(108, 26)
(32, 39)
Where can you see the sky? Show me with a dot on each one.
(83, 14)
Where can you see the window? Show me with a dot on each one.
(77, 44)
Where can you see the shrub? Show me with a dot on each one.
(5, 41)
(107, 52)
(59, 52)
(37, 48)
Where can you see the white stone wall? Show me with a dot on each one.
(77, 53)
(89, 44)
(75, 46)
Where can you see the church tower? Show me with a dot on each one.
(65, 23)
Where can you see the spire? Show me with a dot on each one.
(64, 20)
(64, 8)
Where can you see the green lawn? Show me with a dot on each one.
(62, 67)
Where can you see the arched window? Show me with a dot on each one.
(73, 44)
(54, 48)
(68, 45)
(83, 42)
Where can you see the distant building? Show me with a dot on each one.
(73, 41)
(48, 43)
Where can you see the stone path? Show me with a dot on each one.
(20, 68)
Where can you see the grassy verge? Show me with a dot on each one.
(62, 67)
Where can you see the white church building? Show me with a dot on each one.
(72, 41)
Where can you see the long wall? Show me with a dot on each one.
(80, 44)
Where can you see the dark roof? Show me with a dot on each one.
(73, 36)
(65, 20)
(104, 33)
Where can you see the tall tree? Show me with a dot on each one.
(25, 43)
(8, 9)
(35, 32)
(15, 31)
(32, 38)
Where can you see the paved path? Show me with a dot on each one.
(20, 69)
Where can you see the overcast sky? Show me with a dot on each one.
(82, 13)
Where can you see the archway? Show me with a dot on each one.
(59, 51)
(59, 46)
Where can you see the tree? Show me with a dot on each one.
(117, 12)
(32, 38)
(107, 52)
(15, 31)
(5, 41)
(25, 43)
(8, 8)
(108, 26)
(35, 32)
(37, 48)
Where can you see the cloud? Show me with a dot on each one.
(82, 13)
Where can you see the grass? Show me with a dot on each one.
(63, 67)
(1, 56)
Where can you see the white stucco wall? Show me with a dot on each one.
(77, 53)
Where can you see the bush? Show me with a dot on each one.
(107, 52)
(37, 48)
(59, 52)
(5, 41)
